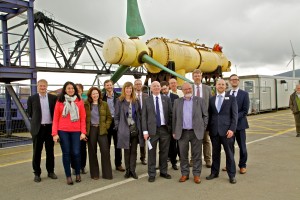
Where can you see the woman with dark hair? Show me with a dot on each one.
(98, 120)
(128, 124)
(69, 127)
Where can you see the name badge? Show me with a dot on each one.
(226, 98)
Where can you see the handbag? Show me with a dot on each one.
(133, 130)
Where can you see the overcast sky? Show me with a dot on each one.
(255, 34)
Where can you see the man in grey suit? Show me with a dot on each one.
(223, 117)
(157, 127)
(189, 123)
(203, 91)
(141, 98)
(40, 108)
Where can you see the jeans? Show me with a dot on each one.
(70, 145)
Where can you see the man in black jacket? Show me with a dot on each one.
(110, 96)
(40, 110)
(173, 149)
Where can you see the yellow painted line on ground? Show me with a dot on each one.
(267, 117)
(12, 153)
(270, 129)
(23, 161)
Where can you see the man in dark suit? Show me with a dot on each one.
(40, 108)
(223, 115)
(157, 127)
(110, 96)
(173, 149)
(141, 98)
(242, 99)
(189, 123)
(203, 91)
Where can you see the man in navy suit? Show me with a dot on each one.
(223, 115)
(157, 127)
(40, 109)
(173, 149)
(242, 99)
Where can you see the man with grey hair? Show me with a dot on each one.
(40, 109)
(157, 127)
(189, 123)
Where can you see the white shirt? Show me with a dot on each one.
(140, 97)
(178, 92)
(236, 91)
(162, 117)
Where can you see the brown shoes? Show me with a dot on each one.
(243, 170)
(224, 169)
(183, 179)
(120, 168)
(197, 179)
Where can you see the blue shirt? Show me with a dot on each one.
(187, 113)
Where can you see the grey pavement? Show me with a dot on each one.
(273, 172)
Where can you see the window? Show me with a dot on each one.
(249, 86)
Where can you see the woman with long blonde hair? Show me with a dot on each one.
(128, 123)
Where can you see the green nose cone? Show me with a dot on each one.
(134, 24)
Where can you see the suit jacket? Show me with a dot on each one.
(226, 119)
(200, 117)
(149, 115)
(35, 112)
(206, 92)
(242, 99)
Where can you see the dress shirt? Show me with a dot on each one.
(236, 91)
(196, 88)
(161, 109)
(187, 122)
(110, 102)
(140, 97)
(46, 116)
(217, 99)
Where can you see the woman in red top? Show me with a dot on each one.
(69, 127)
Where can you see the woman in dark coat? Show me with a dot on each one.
(98, 120)
(128, 123)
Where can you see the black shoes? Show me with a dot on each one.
(232, 180)
(212, 176)
(298, 135)
(127, 174)
(166, 176)
(37, 178)
(175, 167)
(83, 171)
(143, 162)
(52, 175)
(151, 179)
(133, 175)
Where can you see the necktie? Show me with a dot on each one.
(219, 104)
(158, 121)
(198, 91)
(233, 93)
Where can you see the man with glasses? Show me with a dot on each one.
(242, 98)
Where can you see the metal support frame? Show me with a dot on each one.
(10, 9)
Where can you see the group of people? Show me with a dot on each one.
(169, 118)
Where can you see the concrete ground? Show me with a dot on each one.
(273, 172)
